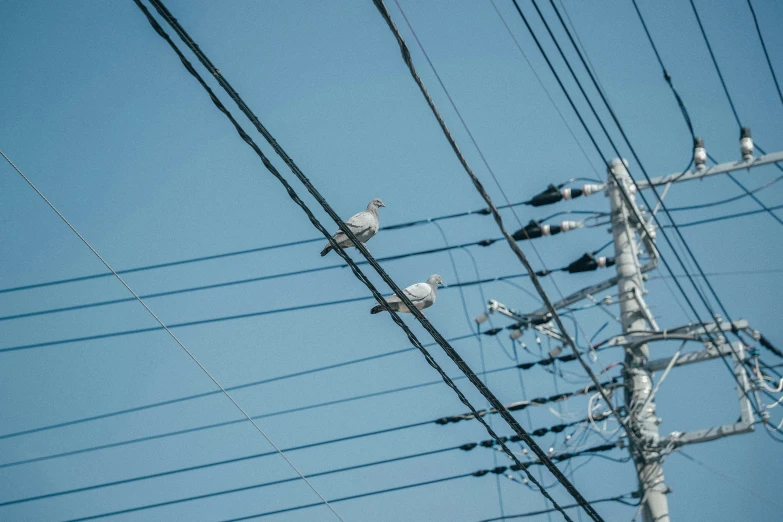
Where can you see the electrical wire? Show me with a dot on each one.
(546, 91)
(635, 155)
(251, 384)
(728, 200)
(174, 337)
(441, 421)
(276, 413)
(219, 319)
(620, 499)
(498, 219)
(452, 354)
(539, 432)
(723, 218)
(480, 473)
(235, 253)
(766, 53)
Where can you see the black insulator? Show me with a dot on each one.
(547, 197)
(469, 446)
(589, 262)
(540, 432)
(486, 242)
(534, 229)
(493, 331)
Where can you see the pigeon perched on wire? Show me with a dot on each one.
(364, 225)
(422, 295)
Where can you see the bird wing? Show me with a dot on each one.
(361, 222)
(418, 292)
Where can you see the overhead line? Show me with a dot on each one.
(225, 318)
(522, 366)
(766, 53)
(174, 337)
(484, 242)
(229, 388)
(444, 420)
(479, 473)
(539, 432)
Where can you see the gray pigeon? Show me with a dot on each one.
(422, 295)
(364, 225)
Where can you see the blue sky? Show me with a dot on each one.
(101, 115)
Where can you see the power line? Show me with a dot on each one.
(479, 473)
(728, 200)
(543, 87)
(539, 432)
(243, 252)
(464, 447)
(715, 63)
(619, 498)
(498, 220)
(522, 366)
(453, 355)
(766, 54)
(219, 319)
(251, 384)
(444, 420)
(722, 218)
(174, 337)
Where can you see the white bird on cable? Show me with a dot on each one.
(364, 226)
(422, 295)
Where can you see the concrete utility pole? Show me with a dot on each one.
(638, 382)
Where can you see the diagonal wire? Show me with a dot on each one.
(480, 188)
(453, 355)
(171, 334)
(766, 54)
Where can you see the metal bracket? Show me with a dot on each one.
(745, 424)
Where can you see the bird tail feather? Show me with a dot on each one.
(376, 309)
(326, 250)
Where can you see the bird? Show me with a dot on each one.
(364, 226)
(422, 295)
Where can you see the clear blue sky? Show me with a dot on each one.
(100, 114)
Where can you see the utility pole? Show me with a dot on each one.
(631, 231)
(638, 381)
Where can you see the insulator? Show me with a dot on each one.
(571, 193)
(547, 197)
(554, 352)
(699, 153)
(592, 188)
(516, 334)
(746, 144)
(565, 226)
(482, 318)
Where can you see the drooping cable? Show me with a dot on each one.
(171, 334)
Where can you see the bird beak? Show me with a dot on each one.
(442, 284)
(382, 205)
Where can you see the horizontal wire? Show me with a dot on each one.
(477, 474)
(224, 318)
(485, 242)
(443, 420)
(464, 447)
(539, 432)
(240, 252)
(185, 398)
